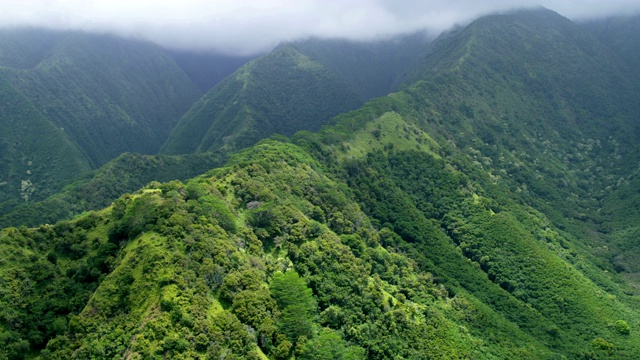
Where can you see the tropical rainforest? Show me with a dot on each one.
(472, 196)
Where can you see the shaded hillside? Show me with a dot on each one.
(37, 158)
(299, 86)
(373, 68)
(207, 69)
(111, 95)
(282, 92)
(555, 110)
(621, 35)
(77, 101)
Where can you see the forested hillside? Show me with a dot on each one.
(619, 33)
(487, 210)
(76, 101)
(345, 75)
(373, 68)
(298, 86)
(282, 92)
(206, 68)
(126, 173)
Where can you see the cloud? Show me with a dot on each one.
(249, 26)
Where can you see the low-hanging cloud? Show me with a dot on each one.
(250, 26)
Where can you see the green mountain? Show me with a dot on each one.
(206, 69)
(619, 33)
(76, 101)
(126, 173)
(374, 68)
(370, 69)
(282, 92)
(486, 211)
(298, 86)
(109, 94)
(36, 157)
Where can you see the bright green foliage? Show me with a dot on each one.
(297, 304)
(126, 173)
(622, 327)
(328, 345)
(179, 285)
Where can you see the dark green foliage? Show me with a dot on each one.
(373, 68)
(282, 92)
(619, 33)
(74, 101)
(207, 68)
(36, 158)
(110, 95)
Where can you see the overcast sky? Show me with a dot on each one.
(249, 26)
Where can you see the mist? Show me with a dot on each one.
(245, 27)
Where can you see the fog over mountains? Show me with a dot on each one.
(249, 27)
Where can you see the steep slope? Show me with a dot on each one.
(78, 101)
(532, 109)
(111, 95)
(207, 69)
(36, 157)
(374, 68)
(98, 189)
(564, 101)
(282, 92)
(227, 265)
(620, 34)
(299, 86)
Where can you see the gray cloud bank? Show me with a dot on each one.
(250, 26)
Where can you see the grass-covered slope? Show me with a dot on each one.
(281, 92)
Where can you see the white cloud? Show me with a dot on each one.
(255, 25)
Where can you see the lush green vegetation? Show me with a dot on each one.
(282, 92)
(488, 210)
(73, 101)
(619, 34)
(206, 69)
(126, 173)
(37, 158)
(266, 257)
(371, 69)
